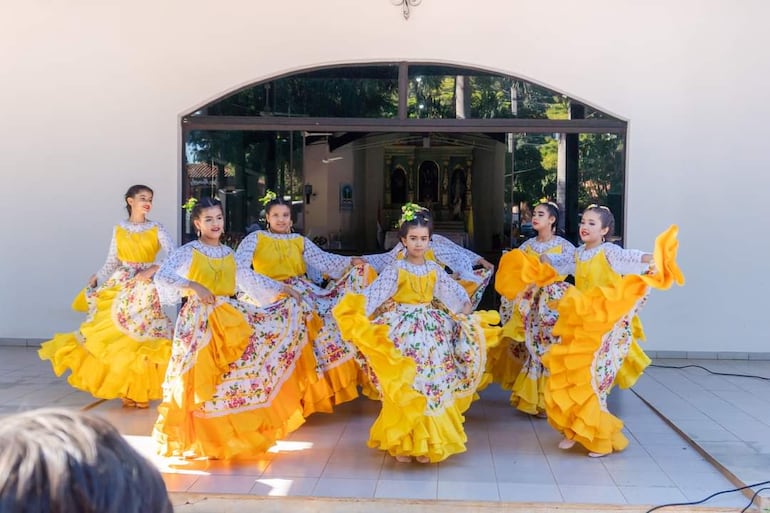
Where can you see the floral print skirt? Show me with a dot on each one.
(429, 364)
(122, 348)
(236, 378)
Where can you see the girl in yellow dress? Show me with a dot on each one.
(237, 372)
(123, 347)
(599, 329)
(275, 262)
(531, 317)
(415, 327)
(472, 271)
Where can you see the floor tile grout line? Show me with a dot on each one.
(710, 416)
(735, 480)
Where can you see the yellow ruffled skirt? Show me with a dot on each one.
(531, 290)
(598, 349)
(505, 360)
(427, 379)
(341, 368)
(236, 379)
(123, 348)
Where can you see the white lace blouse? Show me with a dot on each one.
(171, 278)
(113, 262)
(452, 255)
(446, 290)
(622, 261)
(567, 255)
(262, 288)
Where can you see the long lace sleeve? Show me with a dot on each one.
(564, 265)
(258, 287)
(328, 263)
(167, 244)
(170, 280)
(244, 254)
(449, 292)
(625, 261)
(380, 261)
(459, 259)
(456, 248)
(112, 261)
(381, 289)
(565, 259)
(314, 275)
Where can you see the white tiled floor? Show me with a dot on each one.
(510, 457)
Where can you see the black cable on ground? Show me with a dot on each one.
(752, 499)
(695, 503)
(729, 374)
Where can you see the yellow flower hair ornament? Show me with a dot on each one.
(268, 197)
(190, 204)
(408, 212)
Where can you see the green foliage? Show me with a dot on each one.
(600, 168)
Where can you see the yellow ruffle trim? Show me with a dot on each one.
(402, 428)
(488, 321)
(229, 338)
(519, 270)
(502, 365)
(572, 405)
(633, 366)
(469, 286)
(337, 385)
(528, 395)
(80, 303)
(182, 430)
(109, 364)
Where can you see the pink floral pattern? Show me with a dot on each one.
(329, 348)
(137, 311)
(449, 350)
(506, 310)
(611, 354)
(253, 381)
(536, 306)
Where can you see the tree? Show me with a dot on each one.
(600, 167)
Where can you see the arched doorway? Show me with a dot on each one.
(479, 146)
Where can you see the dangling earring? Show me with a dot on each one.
(198, 233)
(268, 228)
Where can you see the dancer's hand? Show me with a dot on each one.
(291, 292)
(147, 274)
(357, 261)
(467, 309)
(204, 294)
(651, 269)
(486, 264)
(545, 259)
(92, 281)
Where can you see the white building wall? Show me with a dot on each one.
(92, 92)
